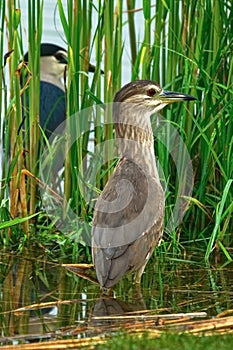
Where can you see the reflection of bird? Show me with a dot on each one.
(105, 310)
(53, 60)
(129, 214)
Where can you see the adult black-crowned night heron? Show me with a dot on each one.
(129, 214)
(53, 60)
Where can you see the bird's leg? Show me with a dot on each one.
(138, 296)
(138, 275)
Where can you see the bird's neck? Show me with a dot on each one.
(52, 79)
(135, 140)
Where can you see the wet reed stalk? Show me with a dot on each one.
(3, 94)
(35, 18)
(13, 118)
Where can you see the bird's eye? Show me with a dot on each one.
(151, 92)
(58, 56)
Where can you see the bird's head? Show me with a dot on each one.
(149, 95)
(53, 60)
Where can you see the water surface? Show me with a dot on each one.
(43, 300)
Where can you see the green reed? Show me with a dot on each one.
(186, 46)
(199, 64)
(2, 26)
(35, 18)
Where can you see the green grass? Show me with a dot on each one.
(193, 56)
(168, 341)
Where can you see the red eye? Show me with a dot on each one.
(151, 92)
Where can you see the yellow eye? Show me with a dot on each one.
(151, 92)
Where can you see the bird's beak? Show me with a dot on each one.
(172, 96)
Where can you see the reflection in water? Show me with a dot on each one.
(41, 299)
(105, 306)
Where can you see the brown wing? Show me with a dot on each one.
(127, 222)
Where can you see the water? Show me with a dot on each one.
(41, 300)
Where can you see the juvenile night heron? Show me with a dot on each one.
(129, 214)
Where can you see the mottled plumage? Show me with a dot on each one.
(129, 214)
